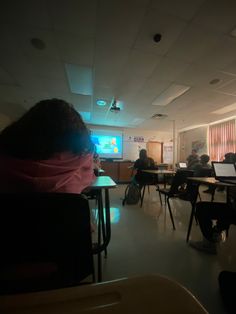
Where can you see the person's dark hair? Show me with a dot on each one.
(143, 154)
(205, 158)
(230, 157)
(51, 126)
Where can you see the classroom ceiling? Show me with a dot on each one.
(112, 42)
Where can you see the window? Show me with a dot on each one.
(222, 139)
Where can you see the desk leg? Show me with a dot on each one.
(100, 212)
(107, 217)
(190, 221)
(103, 228)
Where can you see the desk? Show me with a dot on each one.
(161, 172)
(207, 181)
(145, 294)
(103, 183)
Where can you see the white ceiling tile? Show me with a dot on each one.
(218, 15)
(168, 69)
(201, 75)
(75, 49)
(115, 38)
(119, 21)
(182, 8)
(6, 78)
(74, 16)
(229, 88)
(25, 12)
(170, 27)
(142, 63)
(193, 43)
(221, 55)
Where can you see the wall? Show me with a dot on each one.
(131, 147)
(195, 138)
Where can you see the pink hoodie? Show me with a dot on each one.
(65, 173)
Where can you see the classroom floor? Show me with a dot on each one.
(143, 242)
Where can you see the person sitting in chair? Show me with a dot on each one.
(143, 163)
(223, 213)
(200, 167)
(192, 159)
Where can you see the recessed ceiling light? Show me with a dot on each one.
(214, 81)
(101, 102)
(38, 43)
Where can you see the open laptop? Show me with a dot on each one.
(182, 165)
(224, 172)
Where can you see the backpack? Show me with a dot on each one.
(132, 194)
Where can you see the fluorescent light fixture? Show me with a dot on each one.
(86, 115)
(80, 79)
(137, 121)
(225, 109)
(171, 93)
(101, 102)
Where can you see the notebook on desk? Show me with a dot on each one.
(224, 172)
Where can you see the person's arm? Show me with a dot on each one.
(136, 164)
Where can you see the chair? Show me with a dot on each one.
(145, 180)
(178, 182)
(191, 194)
(147, 294)
(45, 241)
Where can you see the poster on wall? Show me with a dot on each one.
(139, 139)
(200, 146)
(168, 153)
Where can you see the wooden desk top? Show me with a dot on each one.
(103, 182)
(209, 181)
(160, 171)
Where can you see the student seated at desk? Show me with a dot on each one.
(143, 163)
(201, 166)
(47, 150)
(192, 159)
(223, 213)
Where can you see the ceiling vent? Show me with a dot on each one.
(159, 116)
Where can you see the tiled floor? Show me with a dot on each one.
(144, 242)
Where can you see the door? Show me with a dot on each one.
(155, 151)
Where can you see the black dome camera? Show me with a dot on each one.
(157, 38)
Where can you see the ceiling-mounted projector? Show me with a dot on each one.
(114, 107)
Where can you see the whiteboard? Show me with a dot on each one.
(131, 149)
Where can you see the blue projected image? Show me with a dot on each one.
(108, 146)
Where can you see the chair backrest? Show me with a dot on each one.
(179, 180)
(44, 229)
(203, 172)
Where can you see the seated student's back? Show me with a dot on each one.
(143, 163)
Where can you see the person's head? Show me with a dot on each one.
(194, 152)
(229, 157)
(143, 154)
(204, 159)
(51, 126)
